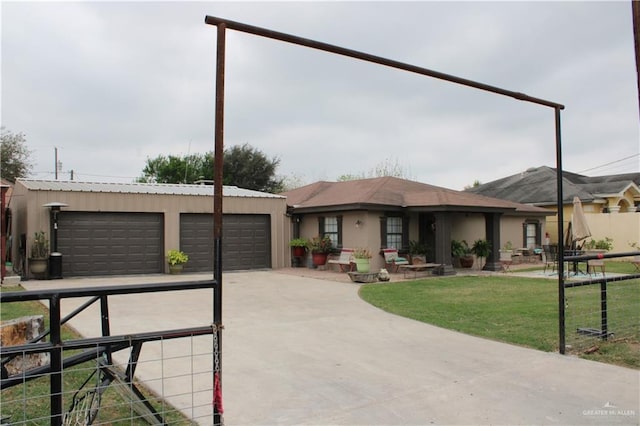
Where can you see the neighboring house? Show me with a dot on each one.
(389, 212)
(5, 241)
(116, 229)
(611, 203)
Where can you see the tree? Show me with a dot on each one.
(243, 166)
(15, 161)
(387, 167)
(249, 168)
(292, 181)
(174, 169)
(476, 183)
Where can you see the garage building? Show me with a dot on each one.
(124, 229)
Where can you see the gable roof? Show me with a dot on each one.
(140, 188)
(391, 192)
(538, 186)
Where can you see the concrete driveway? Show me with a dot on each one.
(299, 350)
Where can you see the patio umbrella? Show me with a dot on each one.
(579, 227)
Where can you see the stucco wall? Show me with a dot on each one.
(623, 228)
(465, 226)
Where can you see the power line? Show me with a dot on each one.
(608, 164)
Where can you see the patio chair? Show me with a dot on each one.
(595, 263)
(392, 260)
(506, 259)
(550, 258)
(345, 261)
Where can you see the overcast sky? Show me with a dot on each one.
(111, 84)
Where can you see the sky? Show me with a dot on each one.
(109, 85)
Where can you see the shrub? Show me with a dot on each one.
(177, 257)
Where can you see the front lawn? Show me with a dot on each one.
(522, 311)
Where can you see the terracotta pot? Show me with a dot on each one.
(466, 261)
(298, 251)
(319, 259)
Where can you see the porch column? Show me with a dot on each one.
(492, 226)
(443, 243)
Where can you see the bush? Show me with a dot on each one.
(606, 244)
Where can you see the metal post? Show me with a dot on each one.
(106, 328)
(217, 201)
(55, 380)
(560, 206)
(604, 326)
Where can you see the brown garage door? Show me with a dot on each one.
(246, 241)
(98, 243)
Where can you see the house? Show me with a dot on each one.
(123, 229)
(611, 203)
(389, 212)
(5, 196)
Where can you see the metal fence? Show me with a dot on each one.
(110, 379)
(601, 311)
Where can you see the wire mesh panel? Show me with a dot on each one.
(162, 376)
(173, 385)
(602, 316)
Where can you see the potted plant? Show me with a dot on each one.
(362, 258)
(507, 248)
(506, 254)
(482, 249)
(176, 260)
(418, 250)
(299, 246)
(460, 250)
(598, 246)
(39, 257)
(320, 247)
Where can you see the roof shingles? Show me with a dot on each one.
(394, 192)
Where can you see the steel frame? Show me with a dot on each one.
(222, 24)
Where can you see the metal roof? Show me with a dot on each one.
(141, 188)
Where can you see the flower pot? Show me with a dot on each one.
(298, 251)
(362, 265)
(38, 267)
(319, 259)
(466, 261)
(176, 269)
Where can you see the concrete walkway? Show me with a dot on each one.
(301, 350)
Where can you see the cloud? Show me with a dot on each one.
(111, 84)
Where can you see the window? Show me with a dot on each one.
(331, 226)
(531, 235)
(394, 232)
(331, 229)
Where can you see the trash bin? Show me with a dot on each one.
(55, 265)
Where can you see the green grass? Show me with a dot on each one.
(31, 401)
(522, 311)
(618, 267)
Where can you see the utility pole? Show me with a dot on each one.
(55, 150)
